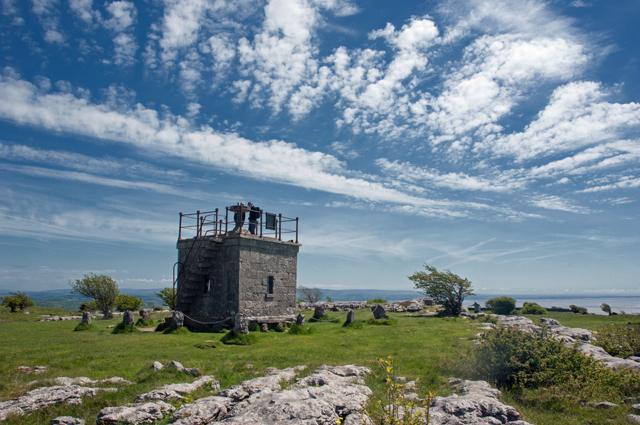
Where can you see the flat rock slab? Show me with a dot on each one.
(83, 380)
(476, 403)
(178, 391)
(330, 394)
(67, 420)
(133, 414)
(42, 397)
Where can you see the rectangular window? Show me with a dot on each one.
(270, 284)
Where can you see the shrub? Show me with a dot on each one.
(384, 322)
(254, 327)
(233, 338)
(560, 374)
(168, 296)
(532, 308)
(296, 329)
(17, 300)
(102, 288)
(446, 288)
(143, 323)
(121, 328)
(577, 309)
(377, 301)
(606, 308)
(128, 302)
(395, 407)
(620, 340)
(310, 295)
(88, 306)
(501, 305)
(83, 327)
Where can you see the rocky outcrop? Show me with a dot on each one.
(330, 394)
(139, 413)
(43, 397)
(475, 403)
(178, 391)
(67, 420)
(83, 380)
(37, 370)
(582, 338)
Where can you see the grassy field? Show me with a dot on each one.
(430, 349)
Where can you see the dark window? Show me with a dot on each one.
(270, 283)
(207, 286)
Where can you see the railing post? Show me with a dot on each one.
(180, 227)
(296, 229)
(279, 227)
(226, 220)
(215, 224)
(197, 223)
(261, 212)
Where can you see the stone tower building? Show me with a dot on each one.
(222, 272)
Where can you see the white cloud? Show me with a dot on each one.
(22, 103)
(557, 203)
(625, 182)
(83, 9)
(122, 18)
(577, 116)
(47, 13)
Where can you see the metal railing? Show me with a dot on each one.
(213, 223)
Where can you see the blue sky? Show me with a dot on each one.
(499, 139)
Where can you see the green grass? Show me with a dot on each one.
(427, 348)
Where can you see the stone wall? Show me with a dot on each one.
(230, 274)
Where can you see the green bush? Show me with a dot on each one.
(620, 340)
(384, 322)
(532, 308)
(296, 329)
(121, 328)
(501, 305)
(233, 338)
(17, 300)
(83, 327)
(538, 366)
(377, 301)
(128, 302)
(577, 309)
(144, 323)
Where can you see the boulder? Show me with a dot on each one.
(264, 327)
(240, 324)
(378, 312)
(43, 397)
(174, 364)
(633, 419)
(67, 420)
(547, 321)
(157, 366)
(86, 318)
(127, 318)
(350, 318)
(133, 414)
(202, 411)
(299, 319)
(177, 319)
(602, 405)
(635, 408)
(145, 314)
(319, 312)
(172, 392)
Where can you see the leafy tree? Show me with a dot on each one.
(606, 308)
(168, 297)
(128, 302)
(532, 308)
(501, 305)
(102, 288)
(17, 300)
(310, 295)
(577, 309)
(446, 288)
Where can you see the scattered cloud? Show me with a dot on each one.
(557, 203)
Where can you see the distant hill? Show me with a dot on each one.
(64, 298)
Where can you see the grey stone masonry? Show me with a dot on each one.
(236, 273)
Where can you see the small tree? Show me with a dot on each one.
(501, 305)
(446, 288)
(102, 288)
(128, 302)
(310, 295)
(168, 297)
(17, 300)
(606, 308)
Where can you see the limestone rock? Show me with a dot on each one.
(603, 405)
(86, 318)
(350, 318)
(476, 402)
(240, 325)
(269, 382)
(133, 414)
(264, 327)
(174, 364)
(379, 312)
(67, 420)
(547, 321)
(202, 411)
(42, 397)
(157, 366)
(633, 419)
(319, 312)
(83, 380)
(300, 320)
(127, 318)
(177, 391)
(635, 408)
(37, 370)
